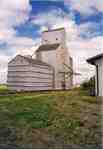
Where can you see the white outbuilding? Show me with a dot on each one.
(98, 62)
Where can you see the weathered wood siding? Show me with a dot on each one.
(53, 37)
(28, 77)
(57, 57)
(69, 80)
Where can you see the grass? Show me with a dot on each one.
(3, 88)
(65, 119)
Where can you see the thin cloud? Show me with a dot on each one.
(85, 7)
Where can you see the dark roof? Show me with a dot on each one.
(92, 59)
(34, 61)
(47, 47)
(58, 29)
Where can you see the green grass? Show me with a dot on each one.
(3, 88)
(72, 117)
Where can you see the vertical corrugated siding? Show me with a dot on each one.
(100, 77)
(99, 91)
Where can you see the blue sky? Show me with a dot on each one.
(22, 23)
(32, 30)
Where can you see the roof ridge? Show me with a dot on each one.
(96, 56)
(50, 44)
(47, 47)
(93, 58)
(32, 60)
(56, 29)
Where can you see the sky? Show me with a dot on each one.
(22, 22)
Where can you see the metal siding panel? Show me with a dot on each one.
(35, 84)
(29, 68)
(29, 74)
(29, 78)
(101, 77)
(29, 88)
(99, 62)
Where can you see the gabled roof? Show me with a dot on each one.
(33, 61)
(58, 29)
(47, 47)
(94, 58)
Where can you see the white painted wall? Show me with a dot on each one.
(99, 62)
